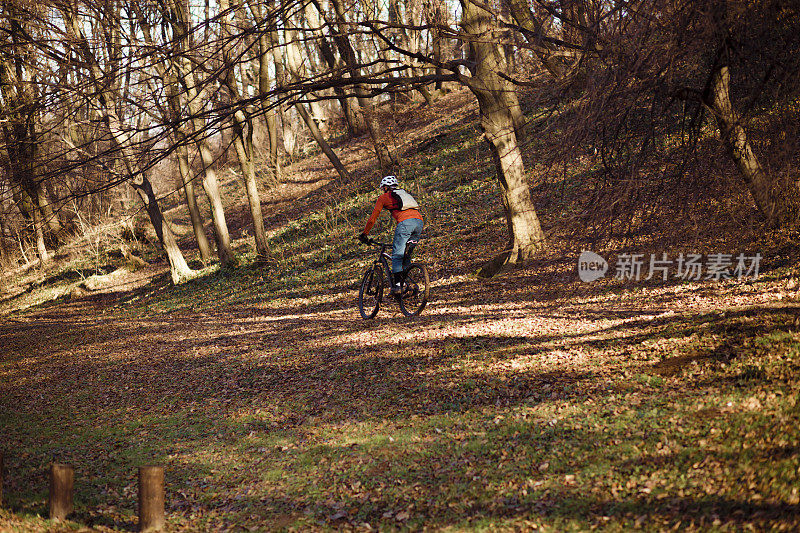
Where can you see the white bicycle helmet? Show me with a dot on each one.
(389, 181)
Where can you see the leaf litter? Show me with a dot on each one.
(566, 413)
(527, 402)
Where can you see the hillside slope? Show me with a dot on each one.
(532, 401)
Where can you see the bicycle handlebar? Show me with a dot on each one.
(373, 242)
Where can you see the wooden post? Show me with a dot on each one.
(151, 498)
(1, 465)
(62, 479)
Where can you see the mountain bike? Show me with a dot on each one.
(414, 283)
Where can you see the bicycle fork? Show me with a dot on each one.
(386, 265)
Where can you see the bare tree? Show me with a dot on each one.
(385, 160)
(500, 116)
(350, 109)
(184, 66)
(621, 80)
(21, 108)
(294, 63)
(661, 72)
(779, 202)
(242, 131)
(172, 115)
(121, 137)
(267, 43)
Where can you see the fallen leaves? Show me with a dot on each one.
(480, 410)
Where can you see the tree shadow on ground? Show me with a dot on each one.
(157, 387)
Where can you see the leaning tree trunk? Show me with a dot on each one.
(498, 123)
(779, 205)
(385, 159)
(179, 269)
(183, 70)
(295, 68)
(243, 140)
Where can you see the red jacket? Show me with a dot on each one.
(386, 200)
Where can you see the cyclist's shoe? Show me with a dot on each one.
(396, 289)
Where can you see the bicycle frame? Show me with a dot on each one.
(385, 258)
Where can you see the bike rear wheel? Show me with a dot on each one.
(415, 290)
(371, 292)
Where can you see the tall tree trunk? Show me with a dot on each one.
(179, 270)
(435, 15)
(293, 62)
(210, 181)
(27, 197)
(183, 68)
(497, 122)
(243, 140)
(411, 40)
(267, 43)
(779, 206)
(182, 155)
(281, 77)
(20, 112)
(243, 143)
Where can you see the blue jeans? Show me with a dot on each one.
(405, 230)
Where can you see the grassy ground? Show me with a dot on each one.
(528, 402)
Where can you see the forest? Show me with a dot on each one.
(611, 204)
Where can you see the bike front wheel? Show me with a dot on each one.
(371, 292)
(415, 290)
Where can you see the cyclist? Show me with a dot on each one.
(405, 210)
